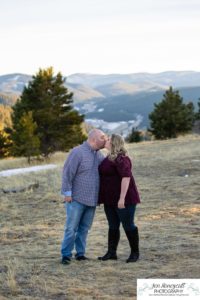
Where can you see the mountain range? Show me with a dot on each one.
(114, 97)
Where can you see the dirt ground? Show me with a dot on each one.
(32, 222)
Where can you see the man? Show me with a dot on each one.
(80, 186)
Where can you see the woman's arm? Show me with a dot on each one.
(124, 187)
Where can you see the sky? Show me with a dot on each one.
(99, 36)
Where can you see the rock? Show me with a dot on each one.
(3, 269)
(22, 188)
(184, 173)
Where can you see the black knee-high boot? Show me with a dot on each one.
(113, 240)
(133, 238)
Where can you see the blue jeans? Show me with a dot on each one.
(79, 218)
(116, 215)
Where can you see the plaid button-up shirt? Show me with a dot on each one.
(81, 176)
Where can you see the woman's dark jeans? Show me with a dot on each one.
(116, 215)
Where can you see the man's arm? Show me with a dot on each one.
(69, 171)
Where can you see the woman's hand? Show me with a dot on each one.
(121, 203)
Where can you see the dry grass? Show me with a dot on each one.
(12, 163)
(168, 218)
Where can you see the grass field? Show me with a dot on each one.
(31, 229)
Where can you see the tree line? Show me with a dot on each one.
(43, 119)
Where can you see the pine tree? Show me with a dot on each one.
(25, 141)
(197, 119)
(2, 144)
(5, 144)
(134, 136)
(58, 125)
(197, 116)
(171, 116)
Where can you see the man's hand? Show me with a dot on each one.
(121, 203)
(68, 199)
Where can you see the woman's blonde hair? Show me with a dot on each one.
(117, 146)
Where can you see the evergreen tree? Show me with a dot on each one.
(197, 116)
(134, 136)
(171, 116)
(2, 141)
(197, 119)
(58, 125)
(2, 144)
(5, 144)
(25, 141)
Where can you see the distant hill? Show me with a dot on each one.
(128, 107)
(114, 97)
(122, 88)
(83, 92)
(94, 86)
(13, 84)
(174, 78)
(8, 99)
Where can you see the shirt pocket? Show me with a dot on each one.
(86, 165)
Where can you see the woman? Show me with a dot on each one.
(118, 193)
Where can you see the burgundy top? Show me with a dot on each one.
(111, 174)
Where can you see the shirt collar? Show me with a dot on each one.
(87, 145)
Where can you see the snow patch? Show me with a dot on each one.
(14, 78)
(122, 127)
(12, 172)
(89, 107)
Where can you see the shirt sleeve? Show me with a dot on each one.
(67, 194)
(124, 166)
(69, 171)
